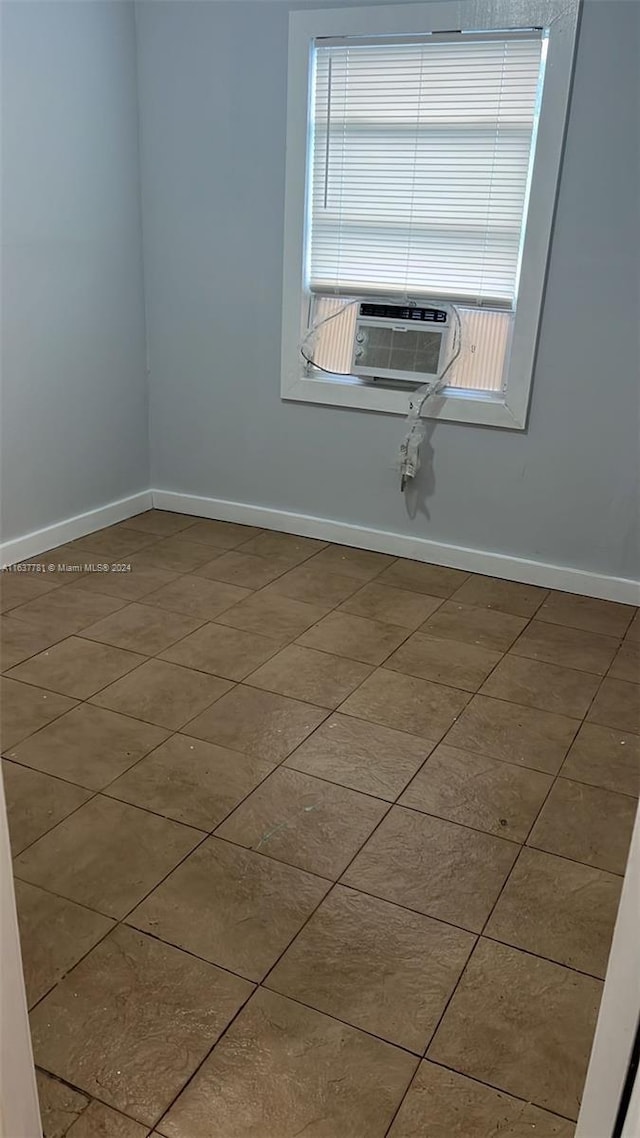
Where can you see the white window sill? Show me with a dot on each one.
(483, 408)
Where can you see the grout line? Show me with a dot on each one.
(508, 877)
(543, 804)
(180, 730)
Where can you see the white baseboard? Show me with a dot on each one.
(31, 544)
(383, 541)
(401, 545)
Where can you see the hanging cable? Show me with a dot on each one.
(409, 457)
(312, 332)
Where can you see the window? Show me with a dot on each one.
(422, 165)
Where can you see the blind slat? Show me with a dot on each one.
(420, 165)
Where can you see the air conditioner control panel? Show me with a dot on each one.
(402, 312)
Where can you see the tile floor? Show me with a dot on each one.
(310, 840)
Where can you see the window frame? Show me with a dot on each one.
(559, 19)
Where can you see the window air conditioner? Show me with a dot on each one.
(400, 341)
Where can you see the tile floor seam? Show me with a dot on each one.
(508, 877)
(103, 792)
(182, 730)
(542, 806)
(493, 608)
(16, 742)
(466, 691)
(501, 1090)
(330, 612)
(5, 671)
(261, 983)
(336, 881)
(138, 719)
(150, 655)
(92, 797)
(578, 628)
(525, 952)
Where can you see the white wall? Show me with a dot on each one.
(74, 401)
(212, 97)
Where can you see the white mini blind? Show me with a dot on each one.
(420, 165)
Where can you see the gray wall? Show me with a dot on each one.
(74, 404)
(213, 99)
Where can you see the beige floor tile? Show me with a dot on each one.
(257, 723)
(223, 535)
(361, 564)
(406, 703)
(505, 596)
(21, 588)
(19, 641)
(304, 821)
(59, 1105)
(369, 641)
(521, 735)
(136, 1052)
(457, 1107)
(605, 757)
(163, 523)
(436, 580)
(284, 547)
(36, 803)
(112, 543)
(71, 565)
(556, 908)
(626, 665)
(303, 673)
(196, 597)
(67, 610)
(54, 935)
(142, 628)
(477, 791)
(268, 614)
(470, 625)
(444, 661)
(375, 966)
(394, 606)
(315, 584)
(24, 709)
(88, 746)
(569, 647)
(76, 667)
(227, 652)
(232, 907)
(127, 585)
(363, 756)
(284, 1069)
(162, 693)
(523, 1024)
(438, 868)
(617, 704)
(587, 824)
(100, 1121)
(107, 855)
(176, 553)
(544, 686)
(607, 617)
(244, 569)
(191, 781)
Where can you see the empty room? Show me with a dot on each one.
(320, 586)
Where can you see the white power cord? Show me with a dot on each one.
(409, 457)
(312, 332)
